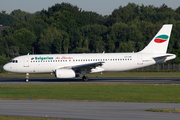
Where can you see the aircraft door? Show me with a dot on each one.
(26, 62)
(140, 60)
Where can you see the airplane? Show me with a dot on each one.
(72, 65)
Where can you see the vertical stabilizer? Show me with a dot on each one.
(160, 41)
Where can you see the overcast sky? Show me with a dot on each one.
(103, 7)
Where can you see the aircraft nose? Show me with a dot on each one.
(5, 67)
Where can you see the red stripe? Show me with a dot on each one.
(157, 40)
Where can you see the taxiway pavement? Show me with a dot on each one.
(87, 110)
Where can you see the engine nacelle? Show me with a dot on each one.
(65, 73)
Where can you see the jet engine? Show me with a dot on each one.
(65, 73)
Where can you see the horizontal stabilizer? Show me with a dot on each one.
(164, 58)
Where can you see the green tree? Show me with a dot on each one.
(22, 15)
(58, 44)
(53, 41)
(110, 44)
(9, 46)
(25, 40)
(7, 20)
(65, 42)
(46, 40)
(4, 59)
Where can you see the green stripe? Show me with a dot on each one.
(162, 36)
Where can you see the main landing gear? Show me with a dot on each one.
(85, 78)
(27, 77)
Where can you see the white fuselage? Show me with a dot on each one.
(48, 63)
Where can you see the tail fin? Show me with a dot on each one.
(160, 41)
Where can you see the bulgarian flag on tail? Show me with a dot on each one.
(161, 38)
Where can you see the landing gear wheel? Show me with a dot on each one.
(85, 78)
(26, 80)
(27, 77)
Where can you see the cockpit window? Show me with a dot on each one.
(14, 61)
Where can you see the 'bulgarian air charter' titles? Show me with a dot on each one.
(50, 58)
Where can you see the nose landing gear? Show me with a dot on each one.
(27, 77)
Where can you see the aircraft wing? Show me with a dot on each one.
(85, 67)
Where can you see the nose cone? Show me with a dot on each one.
(6, 67)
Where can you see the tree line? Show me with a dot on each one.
(65, 28)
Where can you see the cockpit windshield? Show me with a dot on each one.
(14, 61)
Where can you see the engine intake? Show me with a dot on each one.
(65, 73)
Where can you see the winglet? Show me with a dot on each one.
(160, 41)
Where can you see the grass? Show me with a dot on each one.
(109, 74)
(164, 110)
(26, 118)
(113, 92)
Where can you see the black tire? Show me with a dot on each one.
(85, 78)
